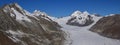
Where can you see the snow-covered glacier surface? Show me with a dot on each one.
(82, 36)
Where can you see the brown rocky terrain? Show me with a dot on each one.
(21, 32)
(108, 26)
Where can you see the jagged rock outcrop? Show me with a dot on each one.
(80, 19)
(108, 26)
(19, 27)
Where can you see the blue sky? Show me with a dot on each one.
(60, 8)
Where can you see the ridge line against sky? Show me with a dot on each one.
(60, 8)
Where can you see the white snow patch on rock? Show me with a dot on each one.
(19, 16)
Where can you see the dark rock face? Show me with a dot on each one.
(4, 40)
(108, 26)
(37, 32)
(98, 15)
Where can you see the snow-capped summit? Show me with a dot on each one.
(39, 13)
(17, 12)
(76, 13)
(8, 8)
(15, 4)
(86, 13)
(80, 18)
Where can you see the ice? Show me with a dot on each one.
(82, 36)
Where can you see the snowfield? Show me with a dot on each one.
(82, 36)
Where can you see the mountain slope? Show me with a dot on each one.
(108, 26)
(19, 27)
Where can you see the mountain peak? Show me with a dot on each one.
(16, 11)
(80, 19)
(86, 12)
(76, 13)
(17, 5)
(11, 6)
(14, 5)
(39, 13)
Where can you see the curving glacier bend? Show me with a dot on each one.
(82, 36)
